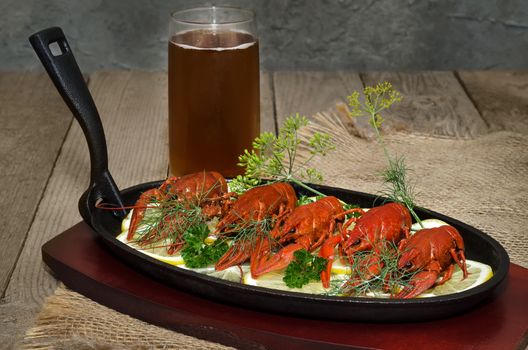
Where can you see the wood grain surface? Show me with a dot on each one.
(267, 114)
(307, 93)
(433, 103)
(34, 123)
(133, 108)
(44, 165)
(500, 96)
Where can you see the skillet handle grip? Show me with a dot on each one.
(67, 77)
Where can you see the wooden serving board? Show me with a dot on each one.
(79, 259)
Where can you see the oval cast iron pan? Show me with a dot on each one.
(65, 74)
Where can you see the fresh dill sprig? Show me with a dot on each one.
(377, 99)
(397, 186)
(248, 232)
(165, 221)
(274, 157)
(361, 282)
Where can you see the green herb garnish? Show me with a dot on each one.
(164, 223)
(246, 234)
(303, 269)
(362, 282)
(302, 200)
(377, 99)
(397, 187)
(196, 253)
(274, 157)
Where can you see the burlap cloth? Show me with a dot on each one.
(481, 181)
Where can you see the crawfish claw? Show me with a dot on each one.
(421, 282)
(327, 251)
(278, 261)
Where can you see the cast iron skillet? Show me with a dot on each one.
(64, 72)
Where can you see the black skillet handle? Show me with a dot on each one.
(66, 75)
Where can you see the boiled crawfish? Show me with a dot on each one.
(434, 251)
(373, 230)
(251, 208)
(307, 227)
(199, 189)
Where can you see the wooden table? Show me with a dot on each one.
(44, 165)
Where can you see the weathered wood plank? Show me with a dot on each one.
(267, 115)
(500, 96)
(310, 92)
(433, 103)
(34, 123)
(15, 319)
(133, 107)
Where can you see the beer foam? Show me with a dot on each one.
(195, 47)
(238, 47)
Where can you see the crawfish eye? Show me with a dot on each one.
(409, 265)
(292, 230)
(356, 242)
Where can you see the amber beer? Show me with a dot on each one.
(213, 99)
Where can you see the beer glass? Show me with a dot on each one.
(214, 100)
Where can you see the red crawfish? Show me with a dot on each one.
(251, 208)
(388, 223)
(202, 189)
(432, 252)
(307, 227)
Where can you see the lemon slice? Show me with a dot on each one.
(155, 253)
(122, 236)
(340, 268)
(160, 253)
(175, 260)
(428, 223)
(478, 273)
(125, 224)
(209, 240)
(233, 273)
(273, 280)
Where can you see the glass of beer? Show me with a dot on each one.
(214, 99)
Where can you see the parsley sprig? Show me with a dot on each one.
(196, 252)
(275, 157)
(305, 268)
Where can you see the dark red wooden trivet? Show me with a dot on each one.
(78, 259)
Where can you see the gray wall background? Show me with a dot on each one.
(319, 34)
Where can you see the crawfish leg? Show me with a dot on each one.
(223, 197)
(324, 236)
(140, 208)
(406, 232)
(350, 211)
(458, 253)
(447, 275)
(237, 254)
(263, 244)
(460, 259)
(349, 221)
(370, 267)
(137, 216)
(327, 251)
(240, 251)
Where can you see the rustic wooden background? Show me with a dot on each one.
(44, 164)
